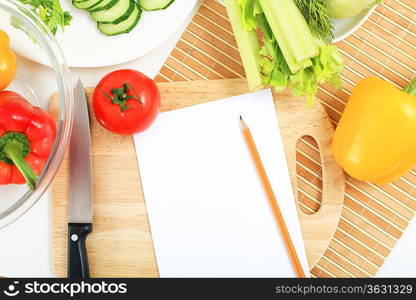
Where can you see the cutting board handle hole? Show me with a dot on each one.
(309, 175)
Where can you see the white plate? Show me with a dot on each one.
(345, 27)
(84, 46)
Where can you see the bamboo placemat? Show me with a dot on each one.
(374, 217)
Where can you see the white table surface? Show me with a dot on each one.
(26, 244)
(401, 262)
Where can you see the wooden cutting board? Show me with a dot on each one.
(121, 244)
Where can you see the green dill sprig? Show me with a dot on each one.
(318, 17)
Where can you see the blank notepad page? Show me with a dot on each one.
(208, 212)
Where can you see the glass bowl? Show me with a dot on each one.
(22, 26)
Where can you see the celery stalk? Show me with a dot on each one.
(247, 43)
(294, 66)
(290, 56)
(291, 31)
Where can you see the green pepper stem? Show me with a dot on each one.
(411, 87)
(15, 146)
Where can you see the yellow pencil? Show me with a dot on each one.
(272, 200)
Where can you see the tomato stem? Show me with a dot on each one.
(121, 96)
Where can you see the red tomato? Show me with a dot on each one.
(126, 102)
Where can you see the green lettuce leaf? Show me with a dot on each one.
(51, 12)
(327, 67)
(304, 84)
(251, 8)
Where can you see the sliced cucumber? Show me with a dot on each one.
(86, 4)
(79, 0)
(105, 4)
(123, 27)
(116, 14)
(155, 4)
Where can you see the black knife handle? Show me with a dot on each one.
(77, 251)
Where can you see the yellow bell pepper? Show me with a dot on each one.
(7, 61)
(375, 139)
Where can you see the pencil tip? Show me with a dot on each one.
(241, 117)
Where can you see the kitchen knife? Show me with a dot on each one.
(80, 188)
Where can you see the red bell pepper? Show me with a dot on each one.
(27, 135)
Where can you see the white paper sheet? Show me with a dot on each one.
(208, 213)
(401, 261)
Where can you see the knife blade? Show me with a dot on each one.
(80, 188)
